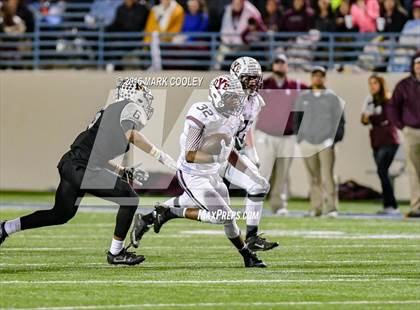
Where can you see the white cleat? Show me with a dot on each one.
(389, 211)
(331, 214)
(282, 212)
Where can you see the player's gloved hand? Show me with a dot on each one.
(135, 174)
(164, 158)
(257, 178)
(252, 154)
(167, 161)
(239, 143)
(224, 152)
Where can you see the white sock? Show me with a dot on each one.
(12, 226)
(116, 246)
(253, 211)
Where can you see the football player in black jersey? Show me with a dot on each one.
(88, 168)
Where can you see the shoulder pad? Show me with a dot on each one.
(134, 113)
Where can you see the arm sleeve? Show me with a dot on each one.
(194, 138)
(340, 113)
(297, 114)
(394, 108)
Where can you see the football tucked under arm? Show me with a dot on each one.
(202, 150)
(212, 144)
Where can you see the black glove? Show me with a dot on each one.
(135, 174)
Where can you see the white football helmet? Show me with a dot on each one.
(135, 90)
(248, 71)
(227, 95)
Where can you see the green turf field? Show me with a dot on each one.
(322, 263)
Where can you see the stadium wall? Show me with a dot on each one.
(41, 112)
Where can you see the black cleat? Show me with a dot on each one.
(162, 215)
(140, 227)
(251, 259)
(258, 243)
(124, 258)
(413, 214)
(3, 234)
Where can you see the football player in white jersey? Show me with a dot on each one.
(206, 197)
(249, 72)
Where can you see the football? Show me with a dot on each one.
(212, 143)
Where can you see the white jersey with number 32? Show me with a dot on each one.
(204, 116)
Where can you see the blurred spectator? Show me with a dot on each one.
(319, 126)
(299, 18)
(393, 16)
(252, 33)
(50, 12)
(130, 16)
(404, 112)
(364, 14)
(412, 27)
(102, 12)
(16, 17)
(335, 4)
(408, 5)
(10, 23)
(216, 8)
(272, 15)
(324, 18)
(274, 135)
(196, 18)
(234, 24)
(343, 18)
(384, 138)
(168, 16)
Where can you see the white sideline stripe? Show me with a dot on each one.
(221, 304)
(41, 249)
(312, 234)
(290, 262)
(177, 282)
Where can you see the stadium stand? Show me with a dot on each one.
(77, 34)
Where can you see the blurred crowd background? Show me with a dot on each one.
(379, 35)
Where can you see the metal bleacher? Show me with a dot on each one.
(74, 44)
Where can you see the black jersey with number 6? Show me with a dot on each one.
(104, 138)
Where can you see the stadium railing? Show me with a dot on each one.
(76, 45)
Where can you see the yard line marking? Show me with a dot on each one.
(237, 304)
(177, 282)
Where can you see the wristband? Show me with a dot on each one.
(155, 152)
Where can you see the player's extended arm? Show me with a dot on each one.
(140, 141)
(236, 161)
(250, 150)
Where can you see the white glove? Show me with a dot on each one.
(224, 152)
(168, 161)
(257, 178)
(163, 158)
(251, 153)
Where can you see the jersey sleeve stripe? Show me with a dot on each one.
(196, 121)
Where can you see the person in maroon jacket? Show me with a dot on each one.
(404, 113)
(274, 136)
(383, 137)
(299, 18)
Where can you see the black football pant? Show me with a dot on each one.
(69, 193)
